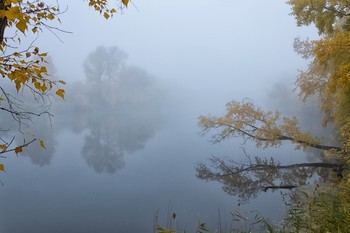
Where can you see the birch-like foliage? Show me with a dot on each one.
(264, 128)
(24, 64)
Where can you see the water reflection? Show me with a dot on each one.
(247, 179)
(117, 108)
(101, 150)
(35, 152)
(37, 128)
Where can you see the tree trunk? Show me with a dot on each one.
(3, 21)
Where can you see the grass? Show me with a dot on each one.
(314, 209)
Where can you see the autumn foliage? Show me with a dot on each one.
(327, 78)
(26, 68)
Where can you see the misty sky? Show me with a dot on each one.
(213, 51)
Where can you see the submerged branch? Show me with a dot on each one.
(289, 187)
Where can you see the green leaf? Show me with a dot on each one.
(164, 230)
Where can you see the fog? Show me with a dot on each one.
(125, 141)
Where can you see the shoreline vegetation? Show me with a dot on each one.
(310, 208)
(320, 191)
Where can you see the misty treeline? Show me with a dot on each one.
(116, 107)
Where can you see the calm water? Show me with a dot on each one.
(119, 152)
(110, 167)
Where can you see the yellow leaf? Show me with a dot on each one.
(106, 15)
(61, 81)
(43, 69)
(43, 88)
(16, 65)
(18, 86)
(42, 144)
(113, 10)
(125, 2)
(2, 167)
(22, 25)
(50, 16)
(60, 92)
(37, 85)
(18, 150)
(1, 99)
(13, 13)
(3, 147)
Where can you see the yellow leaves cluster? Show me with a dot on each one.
(266, 129)
(19, 148)
(102, 6)
(328, 76)
(324, 14)
(25, 15)
(28, 67)
(15, 16)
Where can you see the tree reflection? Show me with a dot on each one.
(117, 106)
(248, 179)
(101, 150)
(37, 128)
(38, 155)
(255, 175)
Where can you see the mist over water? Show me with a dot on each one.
(124, 143)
